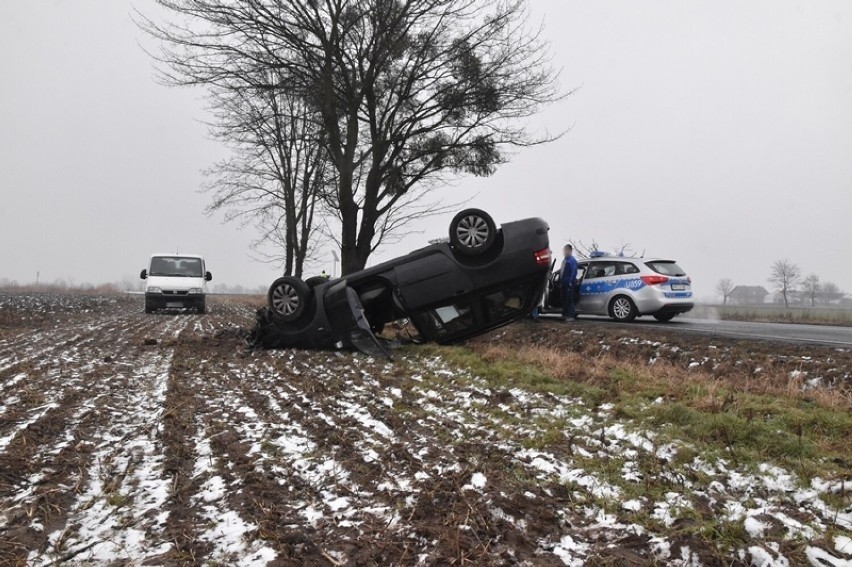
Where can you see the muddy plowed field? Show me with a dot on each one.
(159, 439)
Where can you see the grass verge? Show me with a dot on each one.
(746, 425)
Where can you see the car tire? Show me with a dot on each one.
(473, 232)
(288, 298)
(664, 317)
(148, 308)
(202, 308)
(622, 308)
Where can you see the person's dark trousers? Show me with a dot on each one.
(568, 302)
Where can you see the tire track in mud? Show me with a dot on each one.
(88, 455)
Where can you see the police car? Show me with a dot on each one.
(625, 288)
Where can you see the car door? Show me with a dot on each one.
(346, 316)
(578, 287)
(553, 297)
(598, 282)
(431, 279)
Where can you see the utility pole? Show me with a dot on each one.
(334, 265)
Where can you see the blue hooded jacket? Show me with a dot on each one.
(569, 271)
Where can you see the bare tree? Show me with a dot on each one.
(725, 287)
(785, 275)
(406, 91)
(624, 249)
(811, 288)
(829, 292)
(277, 174)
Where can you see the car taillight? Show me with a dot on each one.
(543, 257)
(654, 280)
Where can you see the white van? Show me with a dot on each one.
(175, 281)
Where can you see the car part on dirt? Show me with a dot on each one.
(473, 232)
(664, 317)
(288, 297)
(622, 309)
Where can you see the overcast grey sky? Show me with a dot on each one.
(715, 133)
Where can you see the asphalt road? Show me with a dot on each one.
(785, 332)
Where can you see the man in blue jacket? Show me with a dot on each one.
(569, 280)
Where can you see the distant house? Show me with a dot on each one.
(749, 295)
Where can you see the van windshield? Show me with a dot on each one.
(176, 266)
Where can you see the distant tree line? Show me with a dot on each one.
(69, 286)
(790, 286)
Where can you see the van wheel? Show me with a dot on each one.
(473, 232)
(622, 309)
(288, 298)
(202, 308)
(148, 308)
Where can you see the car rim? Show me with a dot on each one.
(472, 231)
(285, 299)
(621, 308)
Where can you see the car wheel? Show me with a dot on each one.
(288, 298)
(664, 317)
(622, 308)
(202, 309)
(148, 308)
(472, 232)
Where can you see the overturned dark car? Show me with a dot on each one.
(483, 278)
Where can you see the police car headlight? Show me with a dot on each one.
(196, 290)
(154, 290)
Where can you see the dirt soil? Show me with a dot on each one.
(160, 439)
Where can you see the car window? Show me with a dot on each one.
(505, 302)
(666, 268)
(623, 268)
(451, 318)
(175, 266)
(601, 270)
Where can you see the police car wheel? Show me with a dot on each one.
(288, 298)
(472, 232)
(622, 308)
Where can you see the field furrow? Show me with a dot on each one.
(88, 453)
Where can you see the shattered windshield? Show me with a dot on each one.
(176, 266)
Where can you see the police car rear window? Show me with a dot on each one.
(666, 268)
